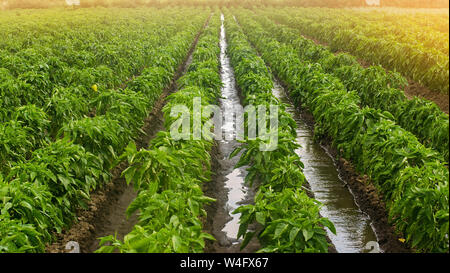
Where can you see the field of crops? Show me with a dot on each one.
(93, 101)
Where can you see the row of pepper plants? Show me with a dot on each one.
(169, 174)
(289, 218)
(412, 178)
(376, 88)
(434, 21)
(405, 28)
(41, 193)
(427, 66)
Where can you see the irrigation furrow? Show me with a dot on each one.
(228, 186)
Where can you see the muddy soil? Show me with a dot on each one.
(218, 214)
(367, 197)
(309, 192)
(106, 213)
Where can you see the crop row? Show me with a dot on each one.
(170, 173)
(404, 30)
(424, 20)
(290, 219)
(39, 196)
(427, 66)
(414, 34)
(411, 178)
(376, 88)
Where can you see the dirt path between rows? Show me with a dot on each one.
(106, 213)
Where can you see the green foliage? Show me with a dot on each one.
(36, 122)
(376, 88)
(412, 178)
(291, 222)
(15, 144)
(66, 105)
(99, 135)
(425, 204)
(17, 237)
(168, 175)
(52, 154)
(46, 190)
(417, 54)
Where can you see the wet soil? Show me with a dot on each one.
(307, 186)
(367, 197)
(106, 213)
(227, 185)
(218, 213)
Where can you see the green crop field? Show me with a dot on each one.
(223, 126)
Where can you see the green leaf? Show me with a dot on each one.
(293, 233)
(308, 234)
(177, 243)
(260, 217)
(248, 236)
(279, 230)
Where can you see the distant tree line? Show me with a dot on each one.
(11, 4)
